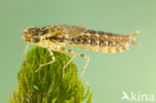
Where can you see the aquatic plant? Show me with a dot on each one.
(48, 85)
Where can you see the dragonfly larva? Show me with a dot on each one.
(58, 37)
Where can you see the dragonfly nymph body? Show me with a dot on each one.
(58, 37)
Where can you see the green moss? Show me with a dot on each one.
(47, 85)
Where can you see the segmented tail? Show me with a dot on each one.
(131, 36)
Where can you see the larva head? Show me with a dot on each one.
(31, 35)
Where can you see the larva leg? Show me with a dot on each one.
(25, 50)
(69, 52)
(74, 55)
(52, 61)
(84, 68)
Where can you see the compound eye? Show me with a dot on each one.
(33, 31)
(30, 30)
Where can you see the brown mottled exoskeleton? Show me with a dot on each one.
(58, 37)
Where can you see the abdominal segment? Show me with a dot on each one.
(100, 41)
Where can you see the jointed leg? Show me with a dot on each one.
(52, 61)
(74, 55)
(84, 68)
(69, 52)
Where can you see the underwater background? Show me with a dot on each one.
(109, 75)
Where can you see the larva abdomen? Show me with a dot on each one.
(103, 41)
